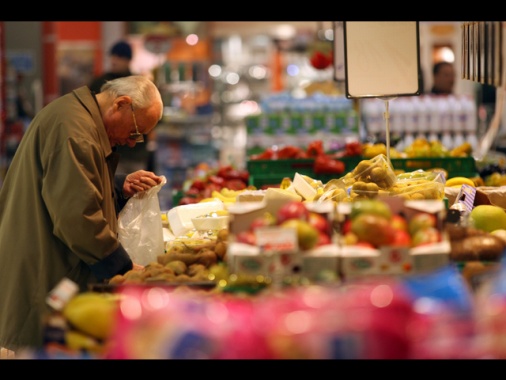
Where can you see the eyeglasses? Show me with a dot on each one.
(138, 137)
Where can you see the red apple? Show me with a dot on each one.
(402, 238)
(424, 236)
(292, 210)
(267, 219)
(346, 226)
(373, 229)
(323, 239)
(365, 244)
(399, 222)
(320, 222)
(246, 237)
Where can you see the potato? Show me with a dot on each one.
(207, 257)
(177, 266)
(116, 280)
(477, 247)
(195, 268)
(220, 249)
(187, 258)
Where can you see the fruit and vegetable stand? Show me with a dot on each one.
(310, 269)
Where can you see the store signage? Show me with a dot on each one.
(157, 43)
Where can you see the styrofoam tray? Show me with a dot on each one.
(180, 217)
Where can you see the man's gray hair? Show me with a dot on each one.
(141, 89)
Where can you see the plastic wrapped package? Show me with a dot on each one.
(369, 178)
(419, 185)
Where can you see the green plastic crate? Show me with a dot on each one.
(271, 172)
(264, 173)
(455, 166)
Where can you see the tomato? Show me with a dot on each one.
(320, 60)
(210, 187)
(216, 180)
(198, 184)
(235, 184)
(188, 200)
(353, 148)
(326, 164)
(315, 148)
(290, 151)
(268, 154)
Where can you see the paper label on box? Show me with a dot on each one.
(395, 260)
(276, 239)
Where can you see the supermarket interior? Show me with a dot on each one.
(322, 196)
(219, 86)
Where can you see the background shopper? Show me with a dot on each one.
(59, 202)
(120, 58)
(443, 76)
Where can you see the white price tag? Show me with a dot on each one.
(276, 239)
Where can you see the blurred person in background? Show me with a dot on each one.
(61, 197)
(120, 58)
(443, 78)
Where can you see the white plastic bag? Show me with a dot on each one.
(140, 226)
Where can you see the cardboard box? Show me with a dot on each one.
(321, 264)
(315, 266)
(362, 261)
(251, 260)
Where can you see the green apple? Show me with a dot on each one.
(307, 235)
(370, 206)
(488, 218)
(421, 221)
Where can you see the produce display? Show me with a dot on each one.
(186, 261)
(259, 253)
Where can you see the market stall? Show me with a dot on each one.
(321, 249)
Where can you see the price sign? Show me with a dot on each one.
(157, 43)
(277, 239)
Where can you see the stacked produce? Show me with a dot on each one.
(371, 223)
(280, 243)
(225, 177)
(186, 261)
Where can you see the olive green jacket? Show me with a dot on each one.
(57, 215)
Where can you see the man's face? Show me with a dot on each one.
(446, 78)
(119, 64)
(121, 121)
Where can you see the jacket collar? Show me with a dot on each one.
(84, 95)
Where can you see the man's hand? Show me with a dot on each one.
(138, 181)
(138, 267)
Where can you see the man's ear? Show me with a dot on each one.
(123, 101)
